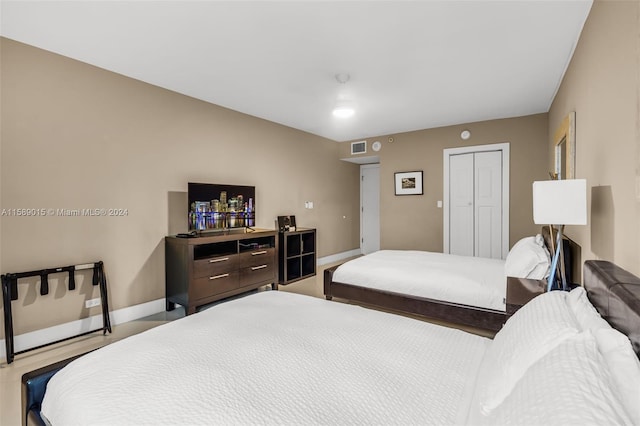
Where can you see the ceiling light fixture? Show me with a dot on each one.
(344, 107)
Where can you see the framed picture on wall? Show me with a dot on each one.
(408, 183)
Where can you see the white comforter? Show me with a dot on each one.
(466, 280)
(274, 357)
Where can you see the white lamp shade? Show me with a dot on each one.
(560, 202)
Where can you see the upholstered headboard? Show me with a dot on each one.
(616, 294)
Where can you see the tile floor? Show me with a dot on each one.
(11, 374)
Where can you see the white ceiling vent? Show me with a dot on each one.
(359, 147)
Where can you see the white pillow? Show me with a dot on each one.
(587, 316)
(570, 385)
(534, 330)
(528, 258)
(624, 367)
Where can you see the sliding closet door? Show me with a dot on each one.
(461, 231)
(475, 204)
(488, 204)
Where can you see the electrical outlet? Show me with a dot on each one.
(92, 302)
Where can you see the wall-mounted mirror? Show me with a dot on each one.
(565, 148)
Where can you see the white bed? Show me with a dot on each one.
(266, 358)
(281, 358)
(473, 281)
(465, 290)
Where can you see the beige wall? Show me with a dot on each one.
(415, 222)
(75, 136)
(602, 85)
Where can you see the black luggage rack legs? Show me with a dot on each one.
(10, 293)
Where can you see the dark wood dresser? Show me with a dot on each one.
(203, 269)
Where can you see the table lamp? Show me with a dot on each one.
(559, 203)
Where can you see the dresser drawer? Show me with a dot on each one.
(256, 257)
(215, 265)
(214, 284)
(257, 273)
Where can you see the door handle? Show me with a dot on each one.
(255, 268)
(256, 253)
(221, 259)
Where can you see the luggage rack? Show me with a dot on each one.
(10, 293)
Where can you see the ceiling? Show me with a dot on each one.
(412, 64)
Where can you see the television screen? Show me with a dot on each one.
(215, 207)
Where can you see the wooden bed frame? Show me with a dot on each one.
(474, 316)
(467, 315)
(612, 290)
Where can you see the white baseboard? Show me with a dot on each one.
(120, 316)
(63, 331)
(338, 257)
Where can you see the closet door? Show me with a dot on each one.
(461, 208)
(488, 204)
(475, 204)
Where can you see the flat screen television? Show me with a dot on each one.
(216, 207)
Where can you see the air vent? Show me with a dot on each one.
(358, 147)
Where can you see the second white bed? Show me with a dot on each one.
(473, 281)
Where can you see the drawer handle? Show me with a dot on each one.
(215, 277)
(256, 253)
(255, 268)
(221, 259)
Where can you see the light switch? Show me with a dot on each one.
(439, 204)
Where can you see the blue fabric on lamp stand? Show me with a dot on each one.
(554, 264)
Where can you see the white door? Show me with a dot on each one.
(476, 204)
(369, 208)
(488, 204)
(461, 205)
